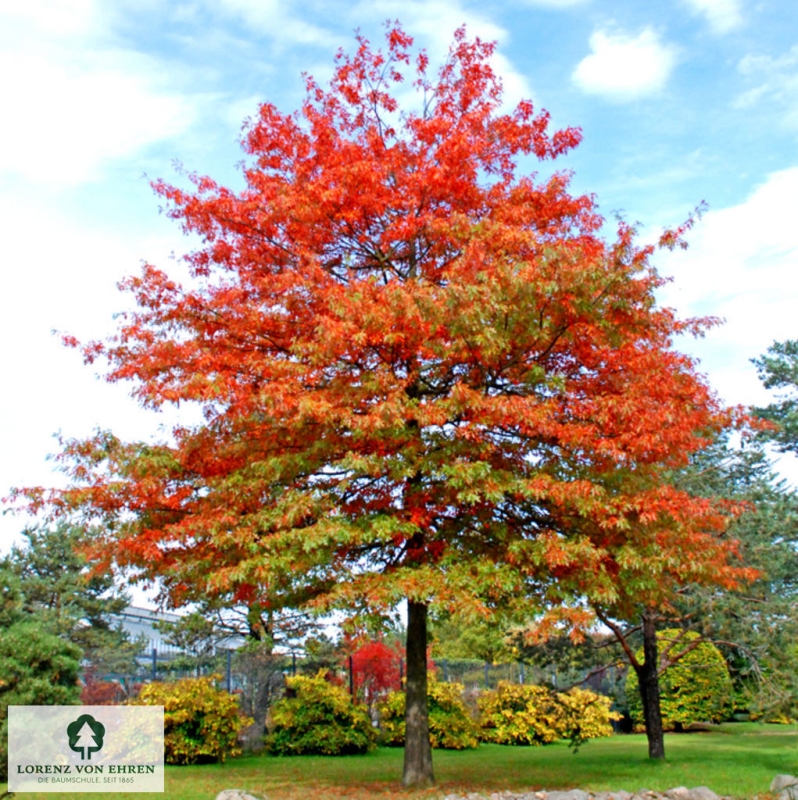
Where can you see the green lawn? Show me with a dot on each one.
(734, 759)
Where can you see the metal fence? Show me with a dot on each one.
(241, 672)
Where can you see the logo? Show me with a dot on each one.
(121, 749)
(86, 736)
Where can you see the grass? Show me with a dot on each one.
(737, 759)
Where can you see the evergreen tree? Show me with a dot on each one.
(757, 627)
(37, 667)
(55, 586)
(778, 370)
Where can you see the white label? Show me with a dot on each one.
(85, 748)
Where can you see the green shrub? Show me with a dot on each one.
(450, 725)
(697, 688)
(201, 722)
(319, 719)
(520, 714)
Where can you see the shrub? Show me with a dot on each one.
(585, 715)
(201, 722)
(520, 714)
(450, 725)
(319, 719)
(697, 688)
(97, 692)
(534, 715)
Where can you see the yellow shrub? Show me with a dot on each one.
(320, 719)
(520, 714)
(201, 722)
(450, 725)
(535, 715)
(585, 715)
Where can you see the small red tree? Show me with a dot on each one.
(376, 669)
(423, 376)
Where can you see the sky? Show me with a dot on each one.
(680, 102)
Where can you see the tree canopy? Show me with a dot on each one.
(423, 375)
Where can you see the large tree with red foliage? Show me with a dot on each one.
(424, 376)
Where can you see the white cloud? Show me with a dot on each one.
(776, 81)
(722, 15)
(75, 102)
(273, 18)
(742, 265)
(66, 120)
(557, 4)
(62, 17)
(621, 67)
(60, 273)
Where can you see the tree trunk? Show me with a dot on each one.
(648, 679)
(418, 753)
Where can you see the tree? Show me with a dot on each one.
(36, 666)
(59, 591)
(652, 567)
(695, 687)
(423, 377)
(755, 628)
(754, 624)
(647, 664)
(637, 608)
(376, 670)
(486, 640)
(779, 370)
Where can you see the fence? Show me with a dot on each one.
(242, 672)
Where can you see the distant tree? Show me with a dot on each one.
(486, 640)
(217, 619)
(194, 635)
(322, 652)
(260, 680)
(562, 662)
(219, 624)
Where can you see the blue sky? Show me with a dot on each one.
(680, 102)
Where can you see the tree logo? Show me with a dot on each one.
(86, 735)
